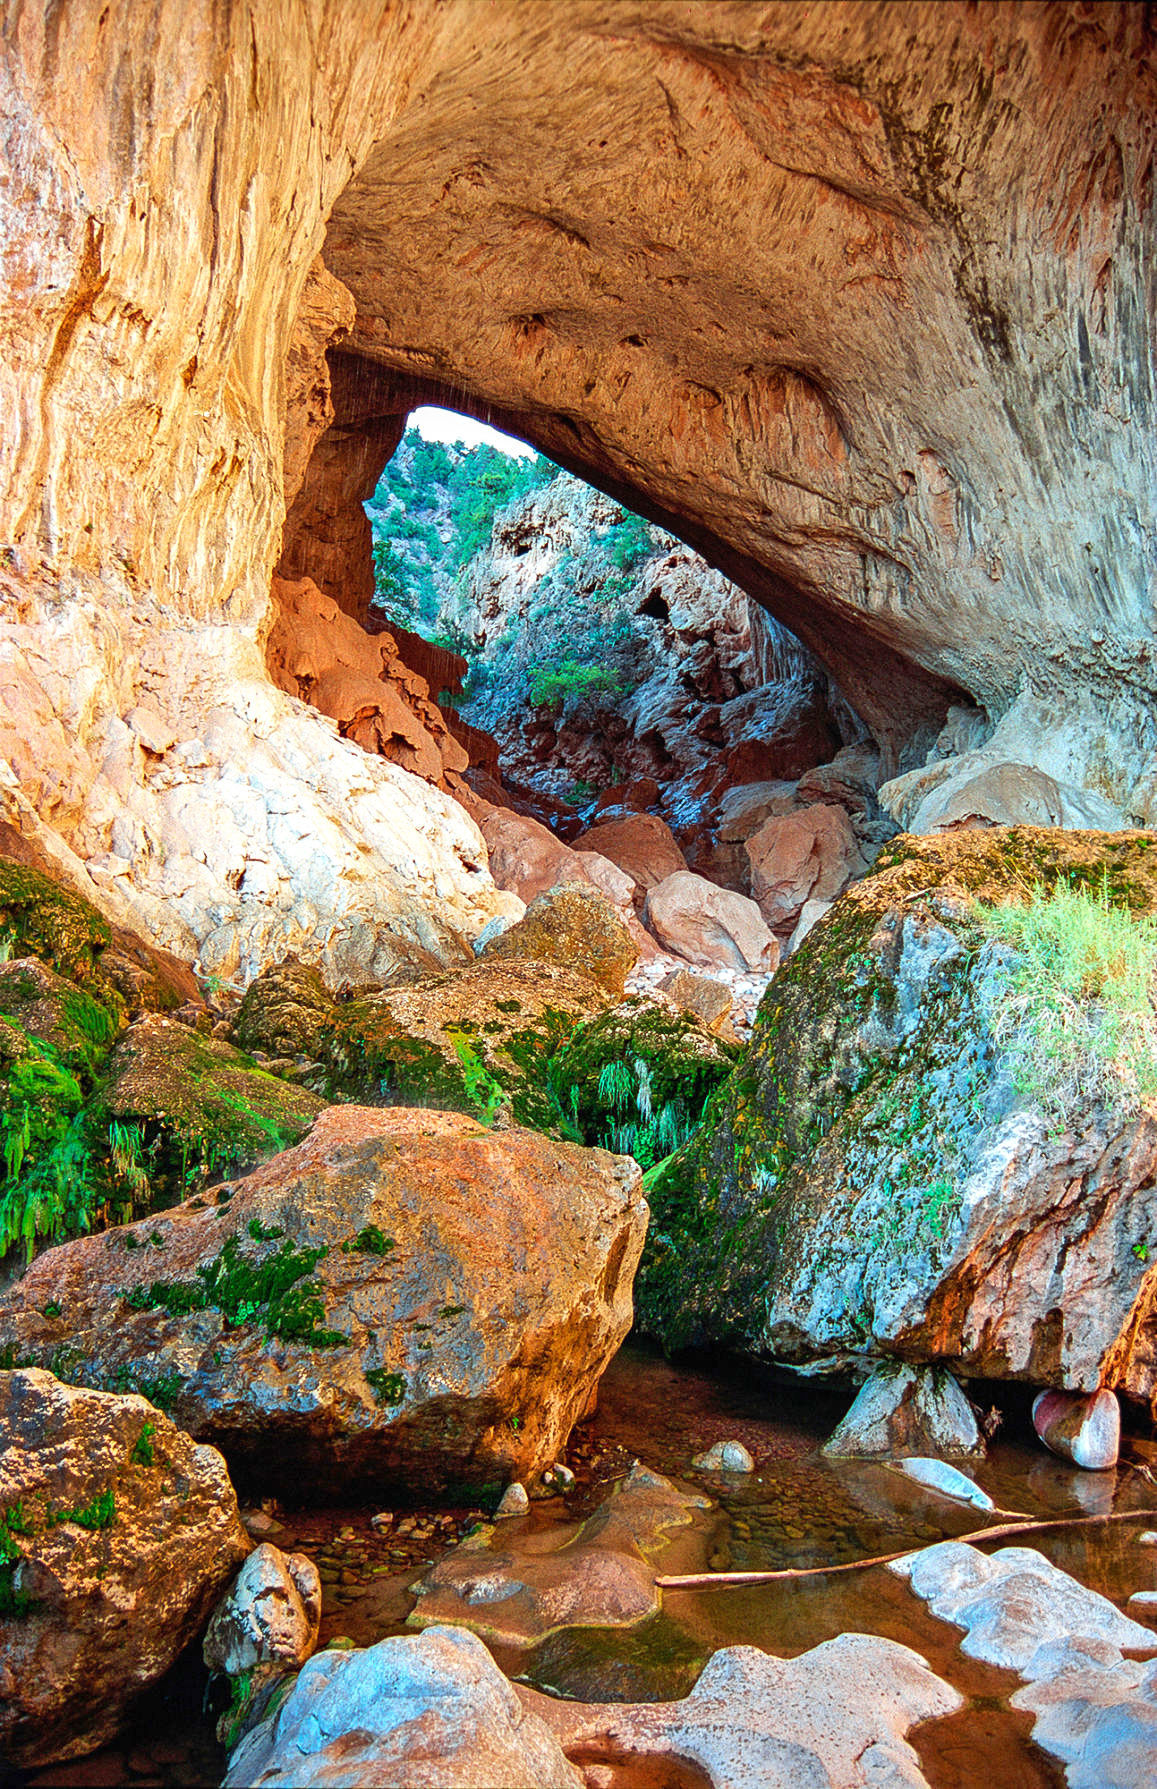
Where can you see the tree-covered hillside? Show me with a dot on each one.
(431, 512)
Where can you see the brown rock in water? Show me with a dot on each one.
(516, 1586)
(807, 856)
(709, 926)
(576, 928)
(642, 845)
(117, 1536)
(1080, 1428)
(405, 1299)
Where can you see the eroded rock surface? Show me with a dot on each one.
(404, 1298)
(875, 1183)
(117, 1536)
(901, 1410)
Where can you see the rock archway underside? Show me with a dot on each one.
(858, 299)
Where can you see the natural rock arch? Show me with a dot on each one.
(857, 298)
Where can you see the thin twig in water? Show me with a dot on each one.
(718, 1580)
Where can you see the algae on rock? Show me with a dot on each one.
(871, 1182)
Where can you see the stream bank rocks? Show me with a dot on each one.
(871, 1183)
(909, 1411)
(117, 1536)
(405, 1299)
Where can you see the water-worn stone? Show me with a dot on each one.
(1083, 1429)
(709, 926)
(725, 1456)
(269, 1616)
(939, 1476)
(513, 1502)
(811, 855)
(1013, 1602)
(1095, 1711)
(519, 1588)
(575, 928)
(876, 1183)
(900, 1410)
(431, 1711)
(117, 1536)
(405, 1298)
(836, 1715)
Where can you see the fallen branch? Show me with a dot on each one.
(717, 1580)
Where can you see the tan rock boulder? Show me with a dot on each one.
(643, 846)
(710, 1001)
(404, 1299)
(807, 856)
(117, 1536)
(709, 926)
(527, 859)
(576, 927)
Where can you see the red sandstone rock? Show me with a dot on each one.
(358, 679)
(807, 856)
(643, 845)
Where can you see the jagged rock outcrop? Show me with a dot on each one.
(882, 1176)
(878, 205)
(404, 1299)
(359, 680)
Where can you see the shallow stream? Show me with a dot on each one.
(797, 1509)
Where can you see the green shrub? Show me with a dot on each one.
(1077, 1013)
(551, 685)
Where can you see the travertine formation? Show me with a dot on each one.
(854, 297)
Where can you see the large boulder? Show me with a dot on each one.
(880, 1180)
(642, 845)
(811, 855)
(406, 1299)
(432, 1711)
(711, 927)
(117, 1536)
(527, 858)
(902, 1411)
(980, 788)
(472, 1039)
(576, 928)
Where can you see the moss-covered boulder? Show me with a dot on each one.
(878, 1178)
(78, 1029)
(576, 928)
(637, 1078)
(191, 1106)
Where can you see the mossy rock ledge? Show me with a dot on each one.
(405, 1303)
(871, 1183)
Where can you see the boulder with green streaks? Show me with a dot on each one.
(876, 1181)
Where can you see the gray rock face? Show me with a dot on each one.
(431, 1712)
(834, 1718)
(901, 1410)
(1096, 1712)
(117, 1536)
